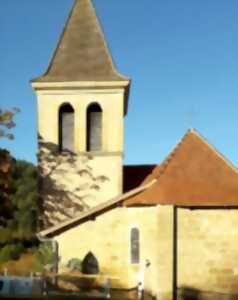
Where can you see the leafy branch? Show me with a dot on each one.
(7, 123)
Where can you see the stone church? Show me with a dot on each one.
(171, 227)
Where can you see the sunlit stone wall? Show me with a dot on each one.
(208, 253)
(108, 238)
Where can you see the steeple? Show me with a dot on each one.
(82, 53)
(81, 101)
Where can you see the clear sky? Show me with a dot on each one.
(182, 57)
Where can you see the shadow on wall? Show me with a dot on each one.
(130, 294)
(187, 293)
(61, 196)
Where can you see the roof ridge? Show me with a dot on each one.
(107, 48)
(165, 163)
(59, 42)
(173, 152)
(215, 150)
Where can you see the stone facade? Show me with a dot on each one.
(81, 73)
(207, 258)
(82, 178)
(108, 238)
(203, 267)
(184, 254)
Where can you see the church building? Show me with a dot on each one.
(172, 227)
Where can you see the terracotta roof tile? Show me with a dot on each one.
(194, 174)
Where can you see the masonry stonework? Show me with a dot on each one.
(81, 73)
(108, 238)
(207, 252)
(85, 179)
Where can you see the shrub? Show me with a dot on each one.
(11, 252)
(45, 254)
(5, 235)
(75, 264)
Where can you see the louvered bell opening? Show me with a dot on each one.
(66, 128)
(94, 128)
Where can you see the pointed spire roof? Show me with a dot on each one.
(82, 53)
(194, 174)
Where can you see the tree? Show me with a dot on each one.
(22, 223)
(6, 162)
(18, 197)
(25, 200)
(7, 123)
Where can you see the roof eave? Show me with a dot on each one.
(51, 232)
(80, 84)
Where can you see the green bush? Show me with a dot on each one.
(25, 200)
(75, 264)
(45, 254)
(5, 235)
(11, 252)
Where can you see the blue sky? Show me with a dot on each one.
(182, 57)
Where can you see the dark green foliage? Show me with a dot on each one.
(5, 235)
(7, 123)
(24, 204)
(18, 198)
(45, 254)
(11, 252)
(6, 162)
(25, 200)
(21, 224)
(75, 264)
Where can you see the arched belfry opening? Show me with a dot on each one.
(66, 128)
(94, 127)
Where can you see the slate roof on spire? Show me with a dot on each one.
(82, 53)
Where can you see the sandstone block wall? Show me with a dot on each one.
(70, 184)
(108, 237)
(208, 253)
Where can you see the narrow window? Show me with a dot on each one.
(135, 246)
(94, 128)
(66, 128)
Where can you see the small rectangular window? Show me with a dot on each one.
(135, 246)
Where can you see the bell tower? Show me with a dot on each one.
(82, 100)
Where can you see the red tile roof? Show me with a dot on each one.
(194, 174)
